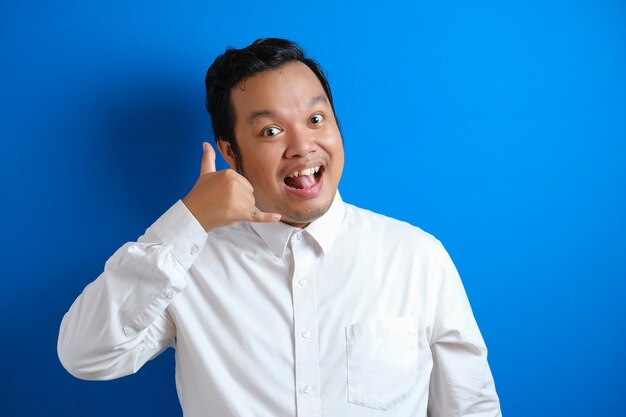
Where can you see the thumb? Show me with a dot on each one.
(208, 159)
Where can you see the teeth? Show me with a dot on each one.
(308, 171)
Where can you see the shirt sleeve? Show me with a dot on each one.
(461, 381)
(120, 321)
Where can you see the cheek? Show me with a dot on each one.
(331, 142)
(263, 171)
(262, 159)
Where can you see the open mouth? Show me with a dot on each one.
(304, 179)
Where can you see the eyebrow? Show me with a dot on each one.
(318, 99)
(269, 113)
(261, 113)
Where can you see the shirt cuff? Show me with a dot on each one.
(181, 232)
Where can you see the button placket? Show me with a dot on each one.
(305, 326)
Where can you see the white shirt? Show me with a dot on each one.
(355, 315)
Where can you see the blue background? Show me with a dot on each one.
(500, 127)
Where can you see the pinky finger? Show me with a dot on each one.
(259, 216)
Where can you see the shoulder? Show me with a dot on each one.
(389, 231)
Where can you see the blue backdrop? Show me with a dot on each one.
(500, 127)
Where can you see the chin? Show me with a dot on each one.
(306, 216)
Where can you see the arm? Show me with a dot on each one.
(461, 382)
(121, 321)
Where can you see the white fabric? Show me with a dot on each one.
(355, 315)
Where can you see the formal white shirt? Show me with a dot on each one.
(357, 314)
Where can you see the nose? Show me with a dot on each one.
(300, 142)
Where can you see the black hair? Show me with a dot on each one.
(235, 65)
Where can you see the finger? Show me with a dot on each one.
(239, 178)
(247, 201)
(259, 216)
(244, 181)
(208, 159)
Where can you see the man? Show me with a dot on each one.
(281, 299)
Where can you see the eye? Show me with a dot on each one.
(271, 131)
(316, 119)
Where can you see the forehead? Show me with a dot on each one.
(285, 89)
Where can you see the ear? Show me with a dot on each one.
(227, 152)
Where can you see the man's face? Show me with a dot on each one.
(291, 148)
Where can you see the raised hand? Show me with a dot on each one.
(220, 198)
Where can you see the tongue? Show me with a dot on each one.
(301, 181)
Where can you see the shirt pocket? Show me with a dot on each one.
(382, 360)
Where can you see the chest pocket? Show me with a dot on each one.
(382, 361)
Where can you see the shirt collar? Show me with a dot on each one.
(323, 229)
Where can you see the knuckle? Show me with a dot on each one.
(231, 187)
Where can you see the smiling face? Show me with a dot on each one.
(290, 145)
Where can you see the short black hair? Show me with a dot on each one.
(235, 65)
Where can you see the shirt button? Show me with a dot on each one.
(299, 236)
(194, 250)
(307, 389)
(168, 293)
(306, 334)
(303, 282)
